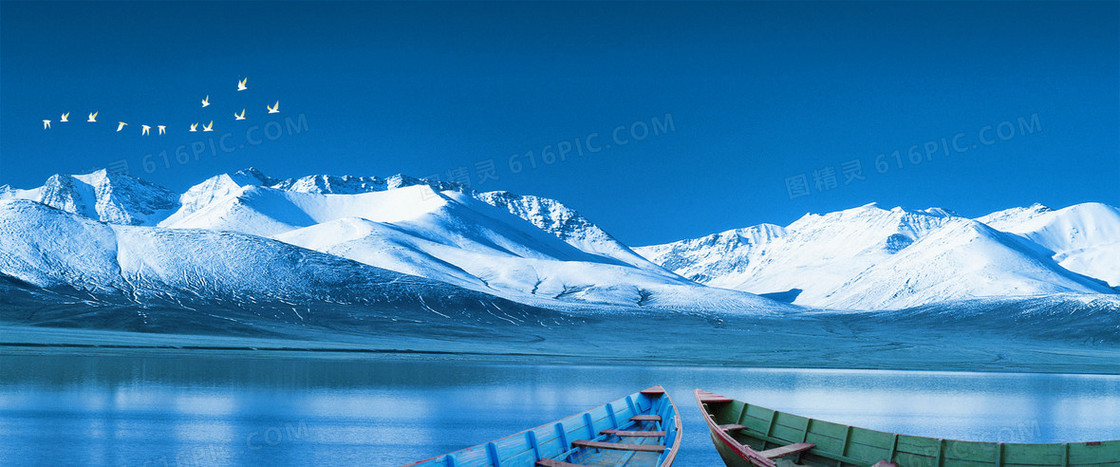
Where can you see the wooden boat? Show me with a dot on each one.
(749, 435)
(642, 429)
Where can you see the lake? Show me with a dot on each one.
(200, 408)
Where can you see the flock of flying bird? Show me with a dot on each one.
(144, 129)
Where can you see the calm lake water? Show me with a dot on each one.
(211, 410)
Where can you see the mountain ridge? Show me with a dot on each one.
(824, 260)
(540, 252)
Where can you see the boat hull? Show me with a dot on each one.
(750, 435)
(639, 430)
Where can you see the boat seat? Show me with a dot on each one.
(731, 427)
(646, 418)
(554, 463)
(711, 398)
(782, 451)
(633, 434)
(582, 443)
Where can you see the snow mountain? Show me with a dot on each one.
(532, 251)
(869, 258)
(1083, 238)
(527, 249)
(110, 198)
(156, 271)
(231, 233)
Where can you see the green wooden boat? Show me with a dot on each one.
(748, 435)
(642, 429)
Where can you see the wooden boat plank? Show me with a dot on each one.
(1085, 453)
(715, 400)
(758, 418)
(554, 463)
(858, 450)
(786, 450)
(1039, 454)
(654, 391)
(618, 446)
(860, 446)
(551, 441)
(970, 451)
(633, 434)
(838, 443)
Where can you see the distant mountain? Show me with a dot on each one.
(111, 198)
(200, 273)
(530, 250)
(247, 237)
(873, 258)
(479, 241)
(715, 257)
(1083, 238)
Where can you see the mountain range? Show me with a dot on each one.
(402, 248)
(870, 258)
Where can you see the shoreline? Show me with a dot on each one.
(647, 346)
(9, 349)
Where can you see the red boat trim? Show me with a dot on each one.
(746, 453)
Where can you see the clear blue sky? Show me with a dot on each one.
(759, 94)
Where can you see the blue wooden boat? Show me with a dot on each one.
(642, 429)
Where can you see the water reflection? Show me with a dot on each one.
(190, 410)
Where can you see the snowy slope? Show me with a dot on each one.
(816, 254)
(546, 214)
(112, 198)
(266, 211)
(565, 223)
(724, 254)
(872, 258)
(215, 189)
(1084, 238)
(198, 269)
(539, 252)
(963, 259)
(454, 237)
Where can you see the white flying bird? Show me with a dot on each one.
(209, 127)
(162, 129)
(239, 117)
(194, 127)
(275, 109)
(206, 101)
(46, 124)
(144, 129)
(92, 117)
(241, 85)
(64, 118)
(121, 125)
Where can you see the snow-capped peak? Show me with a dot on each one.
(870, 257)
(252, 176)
(331, 184)
(544, 213)
(1084, 238)
(102, 195)
(1009, 218)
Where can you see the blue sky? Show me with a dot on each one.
(753, 112)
